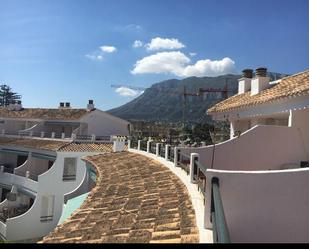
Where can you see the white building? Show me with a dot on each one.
(262, 169)
(37, 178)
(61, 122)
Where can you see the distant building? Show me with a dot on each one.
(61, 122)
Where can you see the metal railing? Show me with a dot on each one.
(152, 148)
(220, 229)
(171, 154)
(184, 162)
(162, 150)
(143, 145)
(134, 144)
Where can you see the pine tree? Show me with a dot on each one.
(7, 96)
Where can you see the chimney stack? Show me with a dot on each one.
(90, 105)
(17, 105)
(244, 83)
(260, 82)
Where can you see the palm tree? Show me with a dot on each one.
(7, 96)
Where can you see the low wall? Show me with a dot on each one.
(260, 148)
(263, 206)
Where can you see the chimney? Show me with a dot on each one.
(90, 105)
(67, 105)
(18, 106)
(61, 105)
(244, 83)
(260, 82)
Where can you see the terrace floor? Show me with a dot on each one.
(135, 200)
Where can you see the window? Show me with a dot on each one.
(69, 169)
(47, 208)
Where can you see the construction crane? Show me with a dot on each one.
(138, 88)
(224, 91)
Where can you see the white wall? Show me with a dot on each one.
(265, 206)
(260, 148)
(103, 124)
(49, 183)
(35, 166)
(300, 120)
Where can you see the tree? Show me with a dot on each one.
(7, 96)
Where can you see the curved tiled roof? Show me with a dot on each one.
(135, 200)
(291, 86)
(44, 113)
(87, 147)
(33, 143)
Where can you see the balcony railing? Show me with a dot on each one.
(220, 229)
(143, 145)
(171, 153)
(162, 150)
(184, 162)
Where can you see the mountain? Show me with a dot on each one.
(164, 101)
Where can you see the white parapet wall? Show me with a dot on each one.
(196, 197)
(260, 148)
(263, 206)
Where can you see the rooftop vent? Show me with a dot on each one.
(260, 82)
(90, 105)
(247, 73)
(244, 83)
(261, 72)
(18, 106)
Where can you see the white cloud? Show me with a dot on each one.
(127, 92)
(94, 57)
(192, 54)
(137, 44)
(162, 62)
(210, 68)
(177, 63)
(161, 43)
(108, 49)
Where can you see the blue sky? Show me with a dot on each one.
(73, 50)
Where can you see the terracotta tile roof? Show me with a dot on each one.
(88, 147)
(291, 86)
(135, 200)
(33, 143)
(46, 114)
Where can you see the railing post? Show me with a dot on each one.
(3, 132)
(73, 136)
(62, 135)
(193, 158)
(1, 168)
(167, 150)
(158, 149)
(42, 133)
(148, 146)
(129, 144)
(93, 137)
(53, 134)
(138, 144)
(31, 133)
(176, 155)
(27, 174)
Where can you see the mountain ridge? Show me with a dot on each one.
(164, 101)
